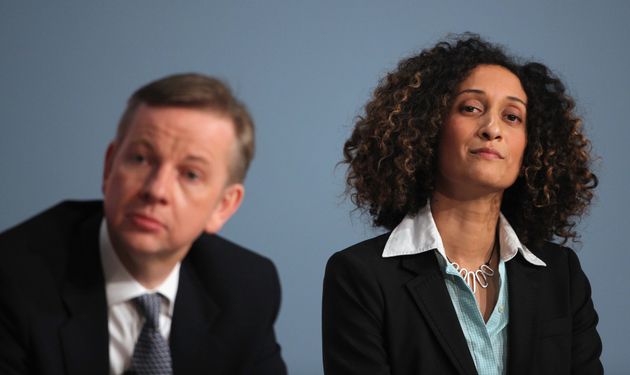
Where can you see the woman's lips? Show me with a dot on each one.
(487, 153)
(145, 222)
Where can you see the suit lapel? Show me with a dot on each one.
(523, 286)
(194, 348)
(84, 336)
(429, 292)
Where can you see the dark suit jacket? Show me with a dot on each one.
(395, 316)
(53, 309)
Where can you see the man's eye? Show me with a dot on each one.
(138, 158)
(191, 175)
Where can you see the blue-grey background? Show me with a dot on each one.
(305, 69)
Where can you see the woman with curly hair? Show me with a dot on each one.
(475, 162)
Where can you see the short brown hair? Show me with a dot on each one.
(197, 91)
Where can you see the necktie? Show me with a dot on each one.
(151, 356)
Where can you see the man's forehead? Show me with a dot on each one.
(199, 132)
(181, 121)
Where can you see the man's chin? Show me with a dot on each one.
(139, 244)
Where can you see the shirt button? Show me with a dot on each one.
(500, 309)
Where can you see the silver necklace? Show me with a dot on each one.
(480, 276)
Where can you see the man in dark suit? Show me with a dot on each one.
(140, 283)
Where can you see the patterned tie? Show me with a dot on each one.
(151, 356)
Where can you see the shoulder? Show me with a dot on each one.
(568, 312)
(563, 274)
(244, 284)
(362, 261)
(43, 241)
(368, 251)
(557, 258)
(213, 250)
(220, 263)
(52, 224)
(36, 254)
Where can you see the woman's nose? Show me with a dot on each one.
(490, 127)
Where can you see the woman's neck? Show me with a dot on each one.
(468, 228)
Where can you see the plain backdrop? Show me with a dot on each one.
(305, 70)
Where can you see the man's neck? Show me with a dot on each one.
(148, 270)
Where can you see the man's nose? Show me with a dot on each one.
(157, 185)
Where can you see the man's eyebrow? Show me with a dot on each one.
(197, 159)
(477, 91)
(142, 142)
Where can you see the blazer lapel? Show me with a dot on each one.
(523, 286)
(429, 292)
(84, 336)
(192, 343)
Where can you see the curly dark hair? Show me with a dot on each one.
(391, 154)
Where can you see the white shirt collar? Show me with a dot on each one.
(120, 286)
(417, 234)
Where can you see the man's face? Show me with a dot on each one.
(167, 180)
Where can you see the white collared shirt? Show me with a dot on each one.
(123, 320)
(417, 234)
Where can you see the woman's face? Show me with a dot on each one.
(484, 136)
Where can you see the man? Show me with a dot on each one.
(140, 283)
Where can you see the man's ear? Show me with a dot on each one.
(109, 160)
(229, 203)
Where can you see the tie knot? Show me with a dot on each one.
(149, 306)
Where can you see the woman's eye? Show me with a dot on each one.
(513, 118)
(470, 109)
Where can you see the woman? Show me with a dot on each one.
(475, 163)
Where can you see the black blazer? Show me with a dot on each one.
(53, 309)
(395, 316)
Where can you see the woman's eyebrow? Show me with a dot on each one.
(477, 91)
(514, 98)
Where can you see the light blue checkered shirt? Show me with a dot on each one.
(487, 342)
